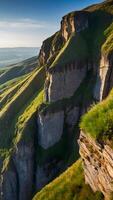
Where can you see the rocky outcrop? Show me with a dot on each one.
(24, 163)
(104, 77)
(9, 184)
(98, 165)
(50, 49)
(48, 172)
(28, 171)
(72, 116)
(17, 180)
(50, 133)
(74, 22)
(50, 128)
(64, 82)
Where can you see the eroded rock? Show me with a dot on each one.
(98, 165)
(50, 128)
(63, 84)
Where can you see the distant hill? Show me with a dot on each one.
(14, 55)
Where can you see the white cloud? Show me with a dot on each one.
(25, 23)
(24, 32)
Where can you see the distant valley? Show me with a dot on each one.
(14, 55)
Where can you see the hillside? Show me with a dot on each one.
(9, 56)
(42, 100)
(70, 185)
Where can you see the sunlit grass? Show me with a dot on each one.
(69, 186)
(98, 122)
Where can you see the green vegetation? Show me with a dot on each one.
(52, 44)
(108, 45)
(9, 89)
(20, 100)
(18, 70)
(22, 123)
(106, 6)
(75, 48)
(16, 104)
(69, 186)
(21, 94)
(98, 122)
(87, 44)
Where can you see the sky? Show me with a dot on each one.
(26, 23)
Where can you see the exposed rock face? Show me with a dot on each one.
(9, 184)
(73, 116)
(24, 163)
(69, 24)
(50, 128)
(17, 180)
(47, 172)
(75, 22)
(98, 165)
(50, 48)
(64, 83)
(105, 77)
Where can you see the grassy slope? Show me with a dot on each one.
(108, 45)
(18, 101)
(88, 43)
(20, 98)
(18, 70)
(98, 122)
(69, 186)
(75, 48)
(9, 89)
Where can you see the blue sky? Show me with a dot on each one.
(28, 22)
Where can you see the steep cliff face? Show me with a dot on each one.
(50, 128)
(104, 77)
(50, 48)
(42, 141)
(74, 22)
(63, 83)
(97, 164)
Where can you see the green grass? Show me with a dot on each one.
(9, 89)
(23, 119)
(106, 6)
(19, 113)
(88, 43)
(52, 44)
(69, 186)
(108, 45)
(18, 70)
(19, 100)
(24, 126)
(98, 122)
(75, 48)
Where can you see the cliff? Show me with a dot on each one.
(43, 104)
(98, 165)
(96, 142)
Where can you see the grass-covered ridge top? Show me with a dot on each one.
(89, 43)
(74, 49)
(98, 122)
(69, 186)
